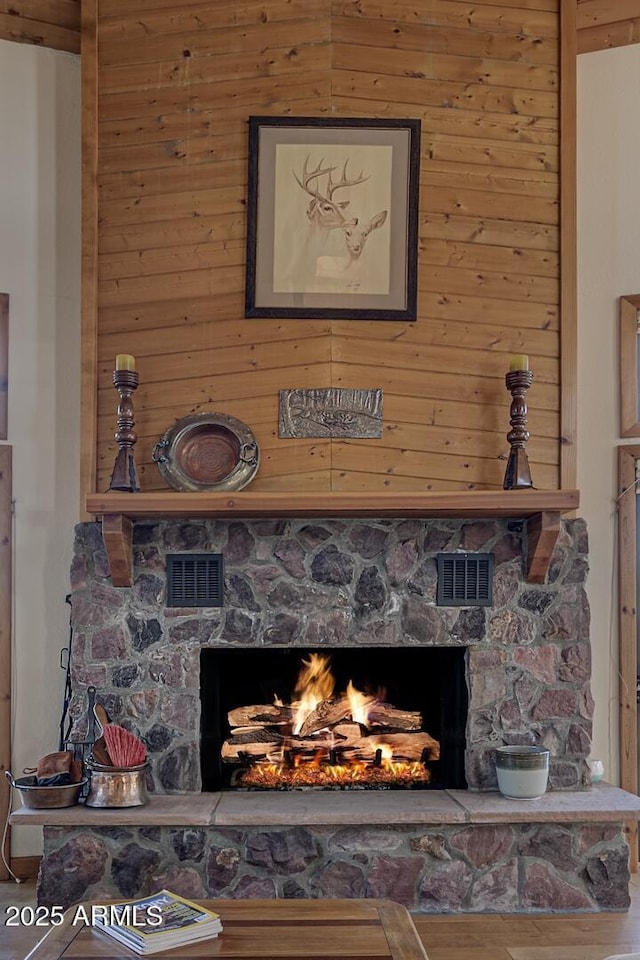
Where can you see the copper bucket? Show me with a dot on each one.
(116, 786)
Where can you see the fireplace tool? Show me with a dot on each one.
(65, 664)
(80, 749)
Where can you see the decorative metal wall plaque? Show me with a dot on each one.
(332, 412)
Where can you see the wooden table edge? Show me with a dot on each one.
(395, 920)
(400, 930)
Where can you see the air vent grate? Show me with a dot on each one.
(465, 579)
(194, 580)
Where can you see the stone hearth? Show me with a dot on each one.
(438, 851)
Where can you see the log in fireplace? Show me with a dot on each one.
(333, 718)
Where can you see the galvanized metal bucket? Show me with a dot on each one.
(116, 786)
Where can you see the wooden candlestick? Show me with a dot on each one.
(518, 474)
(125, 475)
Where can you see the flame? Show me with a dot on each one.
(315, 683)
(386, 751)
(359, 704)
(315, 773)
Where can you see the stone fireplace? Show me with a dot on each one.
(338, 585)
(358, 589)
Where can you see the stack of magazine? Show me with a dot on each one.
(158, 922)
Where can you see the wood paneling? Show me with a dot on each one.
(46, 23)
(607, 23)
(26, 868)
(5, 640)
(627, 509)
(89, 253)
(166, 111)
(4, 364)
(601, 24)
(568, 246)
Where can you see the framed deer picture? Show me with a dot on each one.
(332, 220)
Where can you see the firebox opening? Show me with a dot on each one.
(405, 683)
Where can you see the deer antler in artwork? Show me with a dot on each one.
(323, 211)
(309, 175)
(345, 181)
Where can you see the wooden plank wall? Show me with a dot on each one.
(607, 23)
(46, 23)
(56, 23)
(175, 88)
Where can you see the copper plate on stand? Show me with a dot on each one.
(207, 452)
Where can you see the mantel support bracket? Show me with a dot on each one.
(117, 532)
(543, 530)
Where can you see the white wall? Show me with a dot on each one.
(40, 270)
(608, 267)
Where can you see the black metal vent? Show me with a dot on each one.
(465, 579)
(194, 580)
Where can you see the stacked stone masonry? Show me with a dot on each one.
(337, 583)
(493, 868)
(343, 583)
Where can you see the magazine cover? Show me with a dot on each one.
(159, 921)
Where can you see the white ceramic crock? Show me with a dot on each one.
(522, 772)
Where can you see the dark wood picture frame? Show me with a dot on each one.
(332, 218)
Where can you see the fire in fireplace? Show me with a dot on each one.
(323, 739)
(354, 718)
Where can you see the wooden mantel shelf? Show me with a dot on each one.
(540, 509)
